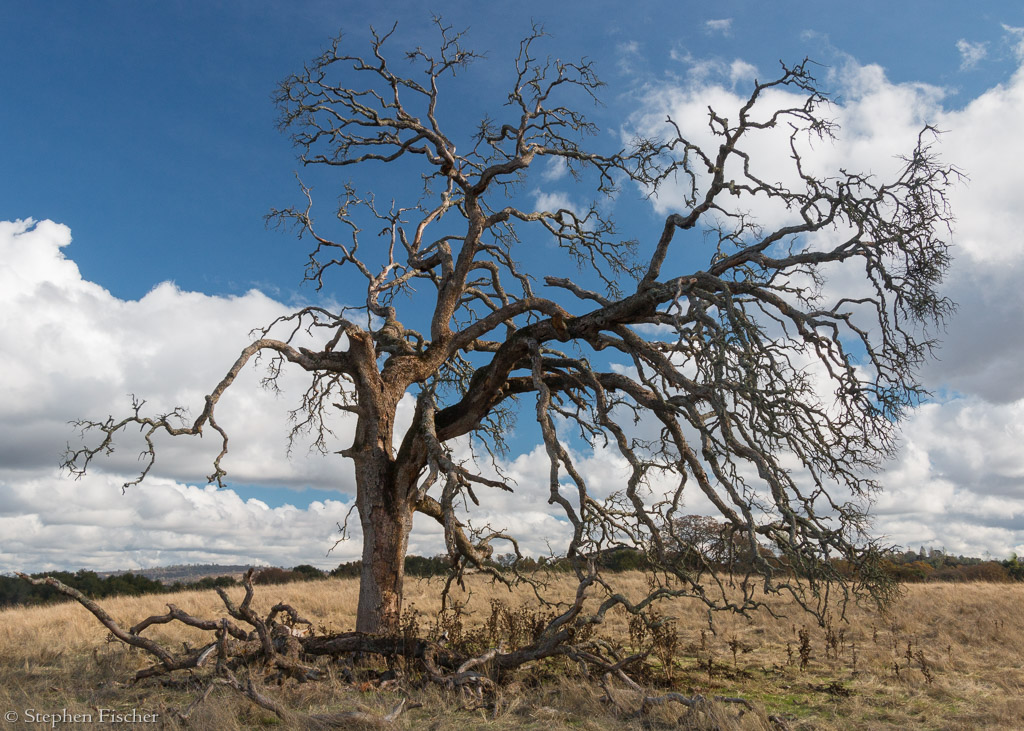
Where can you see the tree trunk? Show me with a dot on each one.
(386, 519)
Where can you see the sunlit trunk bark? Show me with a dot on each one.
(385, 514)
(386, 524)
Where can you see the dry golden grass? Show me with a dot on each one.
(946, 656)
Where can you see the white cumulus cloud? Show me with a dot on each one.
(71, 350)
(971, 54)
(722, 26)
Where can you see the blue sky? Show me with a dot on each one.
(148, 131)
(149, 126)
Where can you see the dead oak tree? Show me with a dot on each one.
(770, 393)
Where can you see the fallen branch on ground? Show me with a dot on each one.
(251, 650)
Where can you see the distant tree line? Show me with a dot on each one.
(419, 566)
(14, 591)
(703, 542)
(937, 565)
(716, 544)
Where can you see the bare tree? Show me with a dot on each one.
(770, 396)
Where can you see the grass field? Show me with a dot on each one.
(945, 656)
